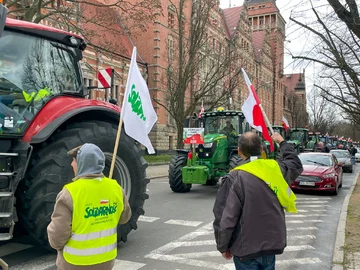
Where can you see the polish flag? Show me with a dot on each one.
(253, 113)
(285, 123)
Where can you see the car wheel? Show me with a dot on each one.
(336, 189)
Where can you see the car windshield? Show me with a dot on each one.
(341, 154)
(32, 70)
(222, 125)
(297, 135)
(322, 139)
(320, 160)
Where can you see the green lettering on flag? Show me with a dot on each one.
(136, 104)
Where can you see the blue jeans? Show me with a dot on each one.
(260, 263)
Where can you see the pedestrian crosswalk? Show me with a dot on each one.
(197, 249)
(301, 241)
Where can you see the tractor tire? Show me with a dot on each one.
(50, 169)
(175, 174)
(235, 161)
(212, 182)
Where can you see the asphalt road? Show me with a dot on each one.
(176, 233)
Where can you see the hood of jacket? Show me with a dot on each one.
(90, 160)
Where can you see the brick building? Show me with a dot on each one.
(256, 31)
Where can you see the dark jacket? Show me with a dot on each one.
(249, 220)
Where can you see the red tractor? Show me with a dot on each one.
(45, 112)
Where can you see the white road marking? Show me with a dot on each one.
(147, 219)
(303, 216)
(12, 248)
(315, 205)
(303, 221)
(312, 199)
(298, 248)
(298, 261)
(302, 229)
(183, 222)
(199, 254)
(187, 261)
(128, 265)
(198, 243)
(302, 211)
(303, 202)
(42, 263)
(301, 237)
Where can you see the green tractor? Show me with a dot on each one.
(299, 137)
(276, 152)
(206, 163)
(311, 146)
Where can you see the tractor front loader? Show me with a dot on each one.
(44, 113)
(206, 163)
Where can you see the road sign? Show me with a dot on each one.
(104, 78)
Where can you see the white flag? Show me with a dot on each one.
(137, 112)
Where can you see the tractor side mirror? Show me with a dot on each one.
(3, 13)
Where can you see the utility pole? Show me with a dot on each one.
(229, 3)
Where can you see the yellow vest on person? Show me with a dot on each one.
(269, 171)
(97, 207)
(39, 94)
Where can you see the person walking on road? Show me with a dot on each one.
(353, 151)
(87, 211)
(249, 223)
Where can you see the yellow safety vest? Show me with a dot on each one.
(269, 171)
(98, 204)
(40, 94)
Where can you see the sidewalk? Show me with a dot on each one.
(347, 245)
(157, 171)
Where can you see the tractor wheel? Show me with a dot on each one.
(50, 170)
(235, 161)
(175, 174)
(212, 182)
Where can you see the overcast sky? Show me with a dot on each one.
(298, 41)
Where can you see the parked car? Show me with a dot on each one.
(322, 171)
(357, 155)
(344, 157)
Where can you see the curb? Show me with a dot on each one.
(338, 256)
(158, 164)
(159, 176)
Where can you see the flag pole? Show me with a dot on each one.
(266, 119)
(115, 148)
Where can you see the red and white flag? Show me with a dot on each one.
(253, 114)
(104, 78)
(285, 123)
(201, 110)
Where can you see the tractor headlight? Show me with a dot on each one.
(208, 145)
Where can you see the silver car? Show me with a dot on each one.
(344, 157)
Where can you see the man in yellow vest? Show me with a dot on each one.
(87, 211)
(249, 208)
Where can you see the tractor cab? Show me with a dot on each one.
(33, 70)
(223, 125)
(299, 137)
(312, 144)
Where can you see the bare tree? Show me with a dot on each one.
(336, 51)
(89, 18)
(322, 113)
(298, 111)
(196, 68)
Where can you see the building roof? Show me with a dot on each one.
(291, 81)
(232, 17)
(258, 39)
